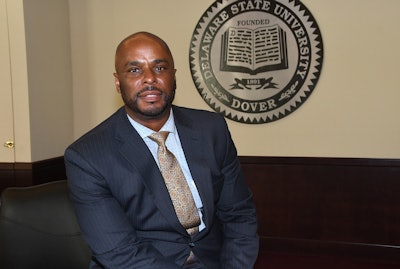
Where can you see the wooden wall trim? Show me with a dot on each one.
(28, 174)
(330, 206)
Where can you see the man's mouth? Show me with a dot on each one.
(150, 94)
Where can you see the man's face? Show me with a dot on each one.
(145, 77)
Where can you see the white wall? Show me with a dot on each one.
(49, 69)
(353, 111)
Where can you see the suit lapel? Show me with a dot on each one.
(135, 151)
(195, 156)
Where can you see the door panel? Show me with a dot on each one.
(6, 107)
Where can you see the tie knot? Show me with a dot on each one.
(159, 137)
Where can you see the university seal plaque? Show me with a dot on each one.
(256, 61)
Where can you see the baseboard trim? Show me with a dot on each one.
(27, 174)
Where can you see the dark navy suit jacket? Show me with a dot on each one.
(124, 209)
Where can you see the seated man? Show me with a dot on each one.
(157, 185)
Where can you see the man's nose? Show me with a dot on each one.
(149, 76)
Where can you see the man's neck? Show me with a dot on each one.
(153, 123)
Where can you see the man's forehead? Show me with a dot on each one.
(136, 48)
(139, 47)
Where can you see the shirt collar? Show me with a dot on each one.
(145, 132)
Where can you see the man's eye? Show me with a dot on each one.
(160, 68)
(134, 70)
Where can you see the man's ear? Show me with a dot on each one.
(116, 82)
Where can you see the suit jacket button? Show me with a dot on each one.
(191, 244)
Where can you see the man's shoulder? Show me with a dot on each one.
(102, 131)
(200, 121)
(197, 114)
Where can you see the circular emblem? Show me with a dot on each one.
(256, 61)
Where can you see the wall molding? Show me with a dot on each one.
(28, 174)
(327, 206)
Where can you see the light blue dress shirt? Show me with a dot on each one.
(173, 144)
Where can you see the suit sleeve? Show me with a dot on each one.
(236, 211)
(104, 225)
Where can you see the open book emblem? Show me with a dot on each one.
(253, 51)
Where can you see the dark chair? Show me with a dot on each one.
(38, 229)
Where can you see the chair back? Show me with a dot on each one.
(38, 229)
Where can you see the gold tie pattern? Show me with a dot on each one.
(177, 185)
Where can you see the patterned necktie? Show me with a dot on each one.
(177, 185)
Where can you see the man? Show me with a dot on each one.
(123, 206)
